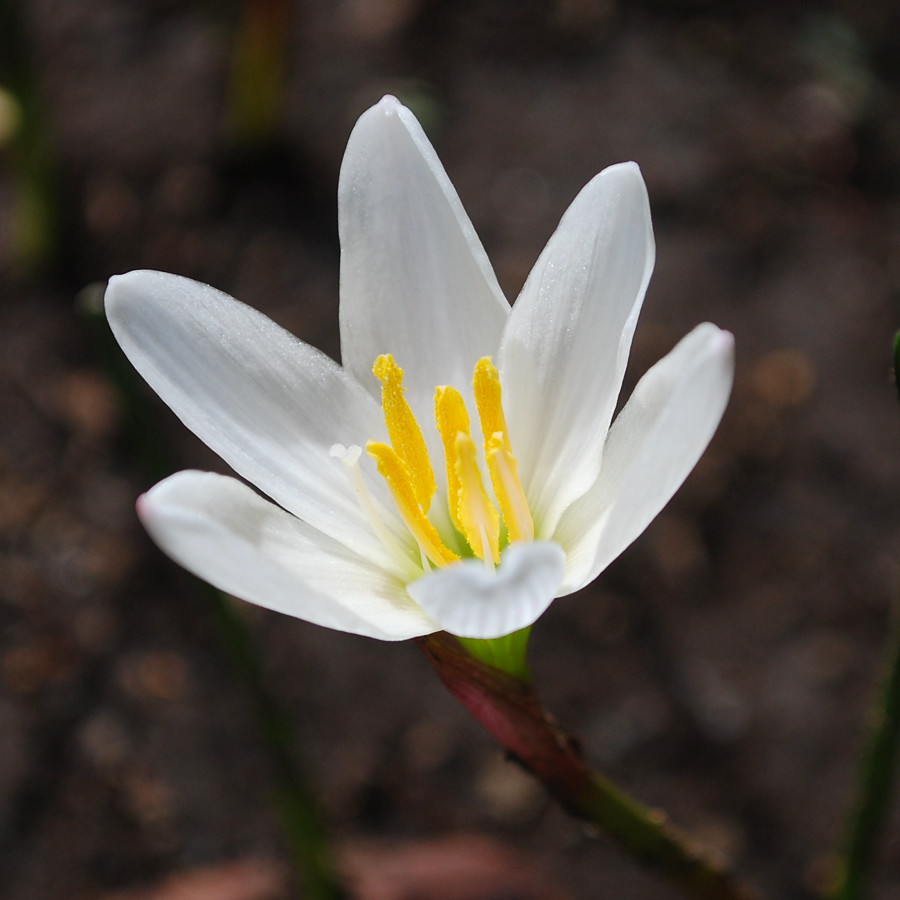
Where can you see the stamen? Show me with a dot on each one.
(405, 466)
(503, 467)
(488, 399)
(397, 474)
(349, 456)
(452, 418)
(406, 436)
(478, 520)
(498, 454)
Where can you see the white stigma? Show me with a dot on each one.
(350, 457)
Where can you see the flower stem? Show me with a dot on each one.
(510, 710)
(878, 771)
(877, 776)
(879, 765)
(23, 131)
(306, 838)
(509, 653)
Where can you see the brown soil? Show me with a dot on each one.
(721, 668)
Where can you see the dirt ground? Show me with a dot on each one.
(721, 668)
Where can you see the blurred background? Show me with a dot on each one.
(722, 668)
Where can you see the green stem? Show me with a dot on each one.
(876, 782)
(510, 710)
(35, 219)
(509, 653)
(897, 363)
(306, 837)
(879, 763)
(258, 66)
(877, 776)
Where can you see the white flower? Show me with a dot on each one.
(366, 537)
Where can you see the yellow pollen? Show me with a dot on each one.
(486, 383)
(508, 489)
(397, 475)
(478, 520)
(405, 466)
(406, 436)
(498, 454)
(452, 418)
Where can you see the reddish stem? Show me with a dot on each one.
(509, 709)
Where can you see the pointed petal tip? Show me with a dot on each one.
(725, 342)
(388, 104)
(136, 276)
(384, 112)
(138, 282)
(705, 342)
(117, 285)
(621, 182)
(719, 340)
(618, 183)
(376, 134)
(629, 167)
(149, 504)
(150, 500)
(118, 289)
(623, 171)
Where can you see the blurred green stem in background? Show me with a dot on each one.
(876, 782)
(25, 143)
(304, 831)
(879, 763)
(897, 363)
(300, 816)
(257, 77)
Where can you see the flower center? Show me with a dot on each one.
(406, 466)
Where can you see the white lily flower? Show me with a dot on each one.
(465, 490)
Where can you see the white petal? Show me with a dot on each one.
(415, 280)
(219, 529)
(565, 348)
(268, 404)
(469, 600)
(653, 445)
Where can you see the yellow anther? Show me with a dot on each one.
(406, 436)
(452, 418)
(405, 466)
(478, 520)
(498, 453)
(397, 475)
(488, 400)
(508, 489)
